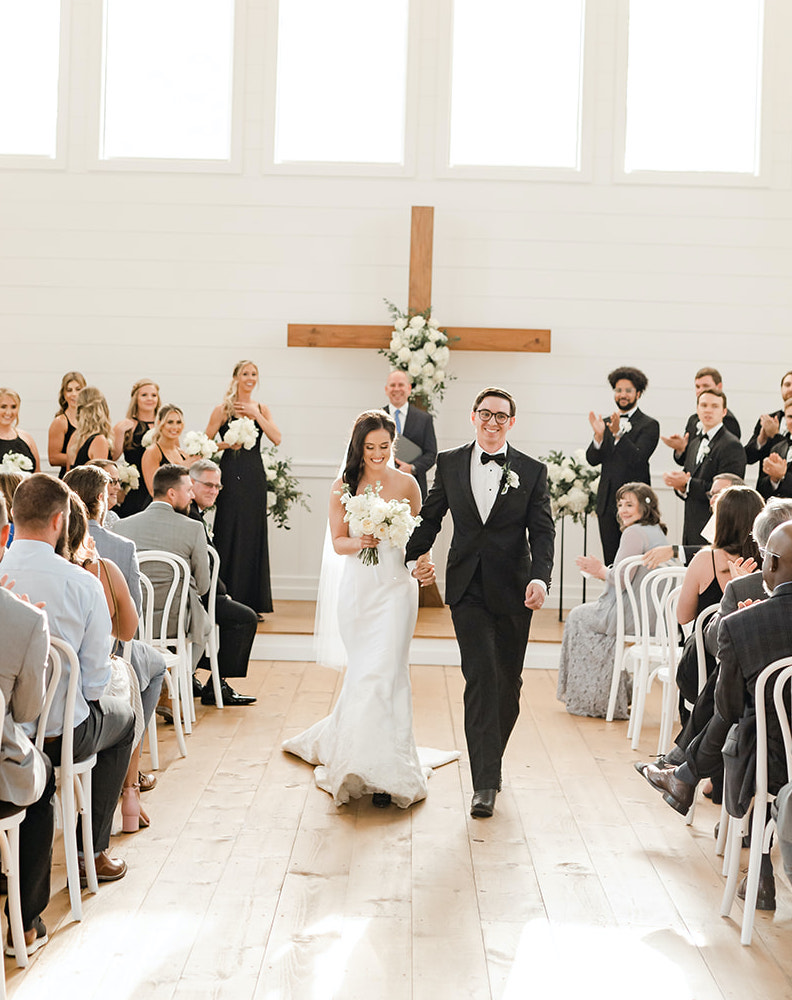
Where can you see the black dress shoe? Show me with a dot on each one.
(677, 793)
(230, 696)
(197, 687)
(765, 897)
(381, 800)
(483, 803)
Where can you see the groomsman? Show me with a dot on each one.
(498, 572)
(413, 424)
(705, 379)
(776, 477)
(769, 431)
(623, 445)
(712, 451)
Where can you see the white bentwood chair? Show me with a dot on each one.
(213, 642)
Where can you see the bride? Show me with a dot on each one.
(366, 745)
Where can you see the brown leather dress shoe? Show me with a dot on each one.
(146, 781)
(677, 793)
(107, 869)
(482, 804)
(765, 897)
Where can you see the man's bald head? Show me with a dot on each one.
(777, 565)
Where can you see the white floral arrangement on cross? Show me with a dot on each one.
(128, 475)
(197, 443)
(283, 487)
(420, 348)
(391, 521)
(13, 461)
(242, 431)
(572, 484)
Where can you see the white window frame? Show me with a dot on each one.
(334, 168)
(153, 164)
(582, 173)
(38, 161)
(689, 178)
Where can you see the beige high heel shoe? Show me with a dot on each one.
(133, 815)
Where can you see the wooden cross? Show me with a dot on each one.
(420, 298)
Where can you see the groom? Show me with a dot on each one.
(498, 572)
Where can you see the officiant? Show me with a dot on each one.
(415, 448)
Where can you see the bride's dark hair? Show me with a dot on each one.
(371, 420)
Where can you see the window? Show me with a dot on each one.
(516, 83)
(341, 81)
(168, 79)
(29, 63)
(693, 85)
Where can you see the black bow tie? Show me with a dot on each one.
(500, 458)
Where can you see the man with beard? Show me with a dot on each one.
(623, 445)
(161, 526)
(769, 432)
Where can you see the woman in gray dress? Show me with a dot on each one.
(589, 644)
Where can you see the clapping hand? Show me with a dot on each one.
(597, 425)
(424, 570)
(676, 441)
(592, 566)
(677, 480)
(741, 567)
(614, 423)
(775, 467)
(769, 426)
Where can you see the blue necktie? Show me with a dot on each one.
(397, 418)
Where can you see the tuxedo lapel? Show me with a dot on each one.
(463, 474)
(713, 444)
(501, 497)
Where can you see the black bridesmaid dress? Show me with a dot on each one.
(136, 500)
(70, 429)
(240, 527)
(16, 446)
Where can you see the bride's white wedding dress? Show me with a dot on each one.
(366, 744)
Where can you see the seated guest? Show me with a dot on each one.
(238, 622)
(589, 644)
(622, 445)
(65, 422)
(92, 484)
(77, 613)
(8, 484)
(26, 776)
(748, 640)
(712, 450)
(160, 526)
(769, 431)
(14, 441)
(114, 491)
(776, 478)
(165, 449)
(91, 438)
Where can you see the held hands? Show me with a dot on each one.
(775, 467)
(534, 596)
(424, 570)
(741, 567)
(676, 441)
(677, 480)
(658, 555)
(597, 425)
(403, 466)
(592, 566)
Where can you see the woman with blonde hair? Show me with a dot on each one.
(240, 527)
(91, 439)
(14, 441)
(165, 448)
(128, 434)
(65, 422)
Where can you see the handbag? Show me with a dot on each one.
(123, 681)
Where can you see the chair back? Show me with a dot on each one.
(622, 581)
(214, 570)
(783, 714)
(670, 615)
(701, 655)
(177, 590)
(145, 630)
(61, 653)
(53, 674)
(655, 589)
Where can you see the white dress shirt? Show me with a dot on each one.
(485, 480)
(705, 443)
(77, 612)
(402, 411)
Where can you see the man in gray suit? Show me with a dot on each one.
(161, 526)
(26, 776)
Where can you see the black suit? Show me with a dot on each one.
(238, 623)
(489, 566)
(730, 422)
(623, 461)
(726, 454)
(419, 428)
(784, 488)
(754, 453)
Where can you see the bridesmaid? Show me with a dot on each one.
(65, 422)
(128, 437)
(12, 439)
(91, 438)
(240, 527)
(166, 447)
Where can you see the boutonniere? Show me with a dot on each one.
(509, 480)
(704, 450)
(624, 426)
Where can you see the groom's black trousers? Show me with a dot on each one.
(493, 650)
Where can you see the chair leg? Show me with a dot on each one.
(86, 819)
(151, 733)
(720, 843)
(9, 847)
(615, 678)
(212, 649)
(758, 836)
(737, 829)
(640, 691)
(69, 814)
(173, 692)
(667, 717)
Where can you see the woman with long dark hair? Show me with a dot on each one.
(366, 745)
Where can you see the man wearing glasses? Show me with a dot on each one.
(238, 622)
(498, 572)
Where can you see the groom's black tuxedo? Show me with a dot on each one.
(726, 454)
(784, 488)
(419, 428)
(490, 564)
(623, 461)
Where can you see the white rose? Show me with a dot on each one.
(580, 456)
(417, 322)
(438, 377)
(271, 474)
(404, 355)
(400, 323)
(430, 349)
(567, 475)
(414, 368)
(433, 322)
(420, 357)
(428, 370)
(577, 500)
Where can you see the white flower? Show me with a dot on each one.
(419, 357)
(624, 425)
(554, 473)
(510, 479)
(430, 349)
(438, 376)
(272, 474)
(577, 500)
(404, 355)
(580, 456)
(567, 475)
(400, 323)
(128, 475)
(197, 443)
(148, 439)
(241, 431)
(428, 370)
(414, 368)
(417, 322)
(433, 322)
(15, 462)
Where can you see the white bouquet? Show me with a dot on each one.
(128, 475)
(14, 462)
(196, 443)
(572, 484)
(391, 521)
(420, 348)
(241, 431)
(148, 438)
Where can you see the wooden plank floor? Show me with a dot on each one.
(251, 885)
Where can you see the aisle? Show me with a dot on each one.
(251, 884)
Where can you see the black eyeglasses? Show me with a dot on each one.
(114, 482)
(486, 415)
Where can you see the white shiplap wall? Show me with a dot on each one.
(178, 274)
